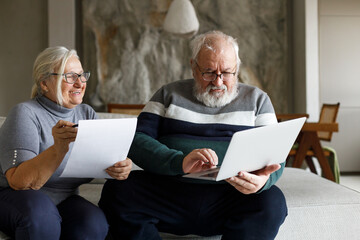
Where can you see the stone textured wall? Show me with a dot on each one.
(130, 56)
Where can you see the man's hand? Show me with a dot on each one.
(248, 183)
(199, 160)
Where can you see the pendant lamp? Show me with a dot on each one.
(181, 18)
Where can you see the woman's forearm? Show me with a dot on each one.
(34, 173)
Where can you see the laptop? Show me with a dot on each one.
(255, 148)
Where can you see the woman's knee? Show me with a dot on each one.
(37, 217)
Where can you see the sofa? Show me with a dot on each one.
(317, 208)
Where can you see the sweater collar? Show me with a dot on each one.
(54, 108)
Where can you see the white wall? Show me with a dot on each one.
(312, 59)
(27, 28)
(62, 23)
(339, 25)
(23, 31)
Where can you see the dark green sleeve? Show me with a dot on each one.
(273, 178)
(153, 156)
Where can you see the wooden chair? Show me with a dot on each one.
(130, 109)
(288, 116)
(328, 114)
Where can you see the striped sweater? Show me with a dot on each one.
(174, 122)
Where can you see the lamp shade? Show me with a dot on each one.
(181, 18)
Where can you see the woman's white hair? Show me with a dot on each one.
(207, 40)
(51, 60)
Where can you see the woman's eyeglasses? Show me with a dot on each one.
(71, 77)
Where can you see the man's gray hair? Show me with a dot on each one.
(51, 60)
(206, 40)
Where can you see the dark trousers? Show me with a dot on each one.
(31, 214)
(145, 204)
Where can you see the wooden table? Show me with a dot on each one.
(308, 140)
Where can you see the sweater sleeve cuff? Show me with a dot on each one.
(274, 177)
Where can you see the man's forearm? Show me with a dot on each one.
(153, 156)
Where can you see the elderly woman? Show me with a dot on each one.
(35, 203)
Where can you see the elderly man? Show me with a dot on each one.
(186, 127)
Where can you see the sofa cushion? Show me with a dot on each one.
(318, 208)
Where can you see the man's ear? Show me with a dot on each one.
(192, 67)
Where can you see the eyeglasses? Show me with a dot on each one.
(71, 77)
(212, 76)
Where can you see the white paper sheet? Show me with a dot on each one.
(99, 144)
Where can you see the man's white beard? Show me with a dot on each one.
(214, 99)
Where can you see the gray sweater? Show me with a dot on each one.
(27, 132)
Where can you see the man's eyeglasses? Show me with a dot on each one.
(212, 76)
(71, 77)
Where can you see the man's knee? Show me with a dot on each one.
(261, 219)
(108, 193)
(115, 191)
(92, 226)
(274, 206)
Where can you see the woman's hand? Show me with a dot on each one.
(248, 183)
(199, 160)
(63, 134)
(120, 170)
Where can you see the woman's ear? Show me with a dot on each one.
(44, 87)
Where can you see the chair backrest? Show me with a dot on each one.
(328, 115)
(130, 109)
(288, 116)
